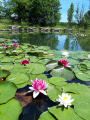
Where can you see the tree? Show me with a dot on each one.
(45, 12)
(1, 10)
(41, 12)
(70, 13)
(87, 19)
(77, 14)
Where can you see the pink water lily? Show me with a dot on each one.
(38, 86)
(25, 62)
(7, 47)
(3, 44)
(15, 44)
(64, 62)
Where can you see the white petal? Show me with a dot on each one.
(35, 94)
(42, 91)
(31, 88)
(65, 105)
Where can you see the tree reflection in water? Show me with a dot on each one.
(54, 41)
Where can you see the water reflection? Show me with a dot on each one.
(54, 41)
(68, 42)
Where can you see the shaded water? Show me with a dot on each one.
(54, 41)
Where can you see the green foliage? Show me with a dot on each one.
(70, 13)
(21, 76)
(41, 12)
(11, 110)
(5, 88)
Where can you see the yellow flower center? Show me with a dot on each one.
(65, 98)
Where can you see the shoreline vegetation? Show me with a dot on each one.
(9, 25)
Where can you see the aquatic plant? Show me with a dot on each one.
(64, 62)
(38, 86)
(25, 62)
(65, 99)
(64, 83)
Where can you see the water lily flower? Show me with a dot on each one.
(15, 44)
(25, 62)
(89, 56)
(7, 47)
(65, 99)
(14, 51)
(66, 54)
(3, 44)
(38, 86)
(64, 62)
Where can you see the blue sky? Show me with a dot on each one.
(65, 4)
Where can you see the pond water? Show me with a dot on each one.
(54, 41)
(33, 108)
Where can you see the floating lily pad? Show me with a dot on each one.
(3, 73)
(53, 92)
(35, 68)
(83, 110)
(11, 109)
(7, 67)
(43, 61)
(46, 116)
(80, 98)
(59, 81)
(66, 114)
(33, 59)
(83, 76)
(52, 64)
(8, 59)
(73, 62)
(62, 72)
(18, 78)
(76, 88)
(7, 91)
(22, 85)
(82, 67)
(19, 69)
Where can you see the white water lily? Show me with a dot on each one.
(65, 99)
(89, 56)
(65, 53)
(14, 51)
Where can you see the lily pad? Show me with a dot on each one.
(52, 64)
(63, 72)
(11, 109)
(19, 68)
(3, 73)
(53, 92)
(7, 67)
(66, 114)
(35, 68)
(46, 116)
(83, 76)
(83, 110)
(18, 78)
(59, 81)
(76, 88)
(7, 91)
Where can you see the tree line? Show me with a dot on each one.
(42, 12)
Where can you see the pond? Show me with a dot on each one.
(37, 83)
(54, 41)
